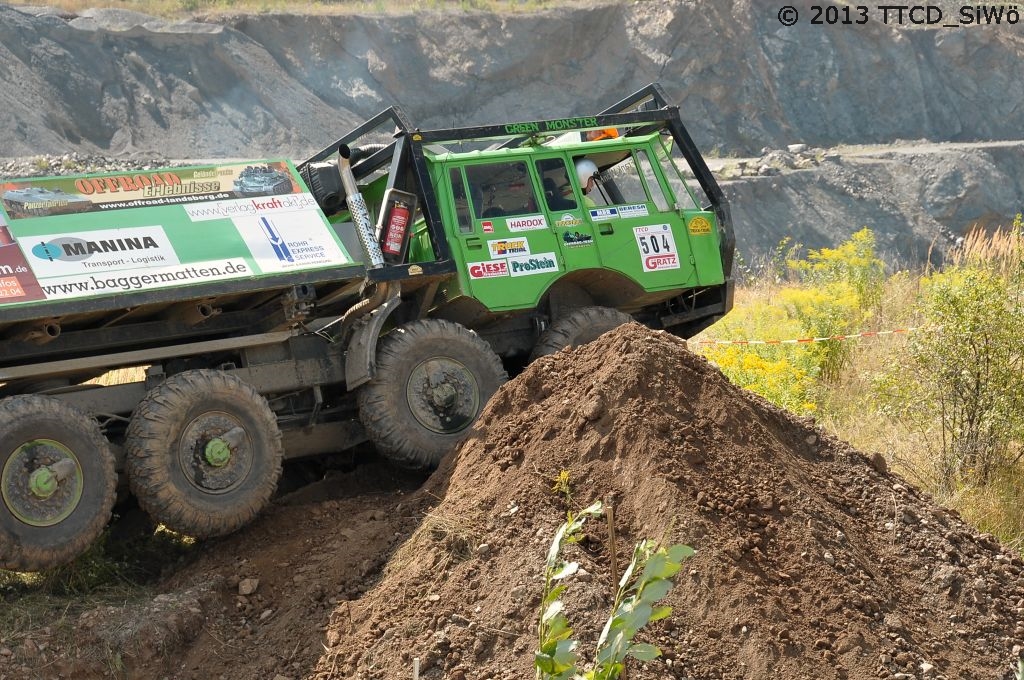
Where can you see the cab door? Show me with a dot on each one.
(506, 246)
(636, 228)
(573, 234)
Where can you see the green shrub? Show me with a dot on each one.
(853, 264)
(962, 377)
(836, 292)
(841, 289)
(646, 580)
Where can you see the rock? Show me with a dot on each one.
(796, 148)
(848, 643)
(945, 576)
(483, 549)
(266, 614)
(593, 409)
(248, 586)
(829, 559)
(927, 668)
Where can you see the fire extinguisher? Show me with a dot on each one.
(393, 227)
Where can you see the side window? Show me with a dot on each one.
(618, 184)
(461, 201)
(554, 180)
(501, 189)
(653, 186)
(671, 160)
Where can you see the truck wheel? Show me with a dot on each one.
(579, 327)
(433, 379)
(203, 453)
(57, 482)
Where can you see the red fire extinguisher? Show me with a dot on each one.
(393, 227)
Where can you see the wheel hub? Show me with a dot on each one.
(215, 452)
(41, 482)
(443, 395)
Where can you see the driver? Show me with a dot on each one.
(587, 172)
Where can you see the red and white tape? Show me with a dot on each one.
(800, 341)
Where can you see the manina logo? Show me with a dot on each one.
(71, 249)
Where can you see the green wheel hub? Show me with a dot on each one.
(42, 482)
(443, 395)
(218, 452)
(215, 453)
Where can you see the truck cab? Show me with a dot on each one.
(524, 240)
(520, 222)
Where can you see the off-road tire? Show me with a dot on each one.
(419, 365)
(166, 460)
(30, 421)
(578, 327)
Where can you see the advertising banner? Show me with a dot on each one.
(87, 236)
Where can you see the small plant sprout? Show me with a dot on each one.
(556, 658)
(647, 579)
(561, 487)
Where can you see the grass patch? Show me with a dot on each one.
(438, 543)
(45, 606)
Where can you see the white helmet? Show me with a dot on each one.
(585, 169)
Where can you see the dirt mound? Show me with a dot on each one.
(812, 560)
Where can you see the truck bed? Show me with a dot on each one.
(123, 261)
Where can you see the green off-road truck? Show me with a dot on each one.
(378, 291)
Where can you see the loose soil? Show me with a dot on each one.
(813, 561)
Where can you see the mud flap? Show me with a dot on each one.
(361, 354)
